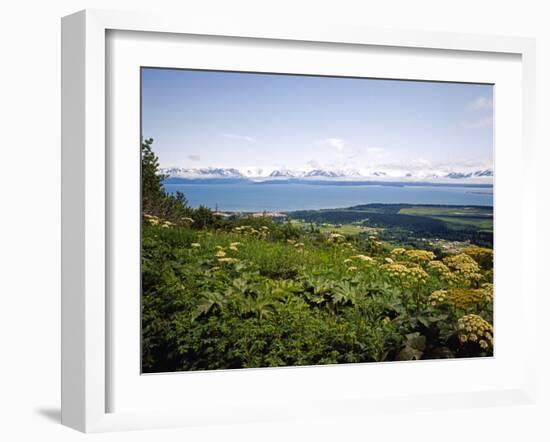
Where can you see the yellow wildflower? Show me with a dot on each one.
(228, 260)
(473, 328)
(363, 258)
(463, 266)
(441, 270)
(419, 256)
(397, 253)
(152, 220)
(488, 289)
(437, 297)
(459, 298)
(481, 255)
(407, 276)
(335, 237)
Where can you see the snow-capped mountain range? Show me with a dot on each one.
(259, 174)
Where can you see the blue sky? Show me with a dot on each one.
(244, 120)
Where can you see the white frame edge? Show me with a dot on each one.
(83, 334)
(83, 222)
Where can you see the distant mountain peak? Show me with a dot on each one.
(317, 173)
(477, 173)
(486, 172)
(203, 172)
(285, 173)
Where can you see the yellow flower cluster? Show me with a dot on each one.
(335, 238)
(419, 256)
(221, 253)
(297, 245)
(413, 255)
(481, 255)
(249, 230)
(396, 269)
(406, 275)
(473, 328)
(374, 243)
(418, 274)
(348, 245)
(153, 220)
(195, 245)
(363, 258)
(464, 266)
(228, 260)
(460, 298)
(438, 297)
(442, 271)
(488, 288)
(398, 253)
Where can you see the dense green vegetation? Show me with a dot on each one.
(245, 291)
(403, 222)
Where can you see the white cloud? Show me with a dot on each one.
(335, 143)
(240, 137)
(480, 103)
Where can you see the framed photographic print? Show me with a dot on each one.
(270, 240)
(251, 213)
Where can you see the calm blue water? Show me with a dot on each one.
(285, 197)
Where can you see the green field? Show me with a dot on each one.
(458, 222)
(448, 211)
(343, 229)
(406, 223)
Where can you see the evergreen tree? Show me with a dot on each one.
(156, 201)
(153, 196)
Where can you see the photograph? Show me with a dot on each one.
(293, 219)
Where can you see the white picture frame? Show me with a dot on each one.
(86, 206)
